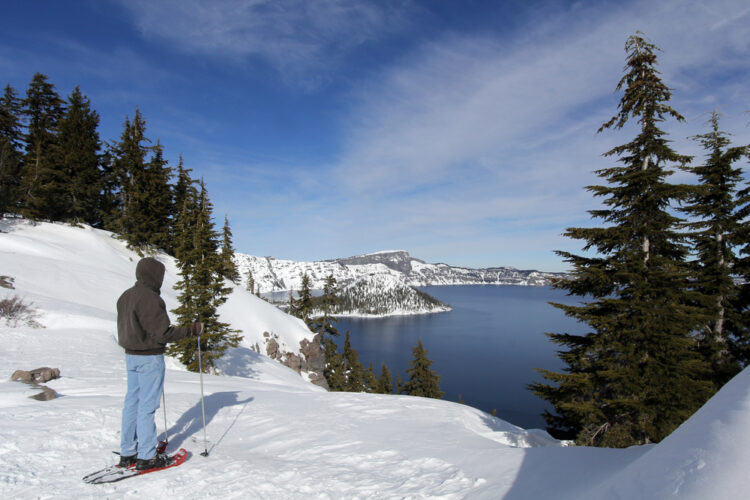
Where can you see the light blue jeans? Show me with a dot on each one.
(145, 384)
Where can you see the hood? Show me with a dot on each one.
(150, 272)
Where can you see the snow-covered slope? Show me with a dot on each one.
(273, 435)
(273, 275)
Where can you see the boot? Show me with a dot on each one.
(126, 462)
(157, 462)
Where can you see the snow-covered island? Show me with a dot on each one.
(273, 434)
(381, 283)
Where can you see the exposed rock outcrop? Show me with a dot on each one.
(311, 360)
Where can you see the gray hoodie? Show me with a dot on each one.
(142, 322)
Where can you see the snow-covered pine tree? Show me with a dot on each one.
(715, 224)
(636, 375)
(422, 380)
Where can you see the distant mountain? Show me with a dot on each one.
(276, 275)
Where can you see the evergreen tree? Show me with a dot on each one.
(636, 376)
(304, 302)
(400, 385)
(385, 382)
(740, 329)
(325, 324)
(354, 370)
(42, 182)
(335, 371)
(10, 150)
(151, 204)
(202, 292)
(229, 268)
(127, 178)
(422, 380)
(184, 190)
(79, 162)
(370, 380)
(713, 205)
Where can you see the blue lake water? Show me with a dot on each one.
(485, 349)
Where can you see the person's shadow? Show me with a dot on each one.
(191, 422)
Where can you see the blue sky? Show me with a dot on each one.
(462, 132)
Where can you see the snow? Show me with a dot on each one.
(272, 434)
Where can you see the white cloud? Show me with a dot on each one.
(299, 38)
(470, 129)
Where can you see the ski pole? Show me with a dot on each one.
(203, 407)
(164, 405)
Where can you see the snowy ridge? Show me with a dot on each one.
(273, 275)
(273, 435)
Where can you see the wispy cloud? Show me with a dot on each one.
(299, 38)
(468, 131)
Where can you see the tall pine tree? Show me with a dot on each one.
(10, 150)
(128, 164)
(636, 375)
(714, 207)
(202, 289)
(229, 268)
(42, 181)
(79, 161)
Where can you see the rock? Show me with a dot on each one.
(45, 374)
(314, 355)
(319, 380)
(272, 349)
(21, 376)
(293, 361)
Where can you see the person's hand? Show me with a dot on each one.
(196, 328)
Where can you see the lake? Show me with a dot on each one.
(485, 349)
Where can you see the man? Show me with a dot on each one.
(143, 329)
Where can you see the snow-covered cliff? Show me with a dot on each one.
(274, 275)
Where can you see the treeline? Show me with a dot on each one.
(54, 166)
(343, 370)
(665, 297)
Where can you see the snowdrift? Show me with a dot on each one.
(271, 434)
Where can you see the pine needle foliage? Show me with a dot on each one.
(385, 381)
(229, 268)
(422, 380)
(10, 150)
(42, 181)
(714, 231)
(324, 324)
(79, 162)
(636, 375)
(334, 371)
(201, 287)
